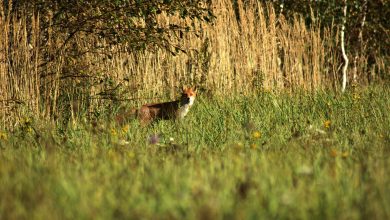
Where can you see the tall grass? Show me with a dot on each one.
(19, 60)
(300, 156)
(248, 48)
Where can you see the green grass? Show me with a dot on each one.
(321, 156)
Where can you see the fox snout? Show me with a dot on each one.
(188, 96)
(185, 100)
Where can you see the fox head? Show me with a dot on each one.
(188, 96)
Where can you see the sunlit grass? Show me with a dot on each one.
(322, 156)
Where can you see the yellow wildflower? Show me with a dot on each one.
(3, 136)
(327, 124)
(356, 97)
(256, 134)
(345, 154)
(333, 153)
(125, 129)
(113, 132)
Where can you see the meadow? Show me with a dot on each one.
(270, 135)
(321, 155)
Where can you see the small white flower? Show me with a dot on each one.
(123, 142)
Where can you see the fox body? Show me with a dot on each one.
(165, 111)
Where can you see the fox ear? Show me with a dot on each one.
(184, 88)
(194, 89)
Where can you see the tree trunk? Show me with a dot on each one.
(344, 84)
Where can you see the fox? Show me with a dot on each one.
(173, 110)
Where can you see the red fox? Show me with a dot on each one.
(163, 111)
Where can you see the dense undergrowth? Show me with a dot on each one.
(285, 156)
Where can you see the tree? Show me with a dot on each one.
(130, 22)
(368, 27)
(345, 57)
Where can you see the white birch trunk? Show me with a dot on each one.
(345, 67)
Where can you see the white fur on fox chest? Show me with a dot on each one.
(184, 109)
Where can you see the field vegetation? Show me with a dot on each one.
(270, 135)
(321, 156)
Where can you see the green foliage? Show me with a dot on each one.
(367, 27)
(133, 24)
(322, 156)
